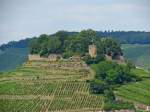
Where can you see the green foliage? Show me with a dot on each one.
(109, 74)
(111, 47)
(45, 45)
(110, 97)
(113, 73)
(69, 45)
(34, 46)
(43, 86)
(141, 73)
(138, 54)
(98, 86)
(118, 105)
(128, 37)
(89, 60)
(136, 92)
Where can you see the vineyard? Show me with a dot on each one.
(48, 87)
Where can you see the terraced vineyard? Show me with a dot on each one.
(48, 87)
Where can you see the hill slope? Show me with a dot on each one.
(137, 92)
(12, 57)
(40, 86)
(17, 50)
(139, 54)
(56, 86)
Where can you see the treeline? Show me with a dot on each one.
(76, 44)
(128, 37)
(16, 44)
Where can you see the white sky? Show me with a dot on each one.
(27, 18)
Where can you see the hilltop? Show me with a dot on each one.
(10, 49)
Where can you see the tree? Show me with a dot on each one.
(111, 47)
(101, 69)
(54, 45)
(113, 73)
(68, 45)
(110, 97)
(89, 33)
(34, 47)
(98, 86)
(87, 58)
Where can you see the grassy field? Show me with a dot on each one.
(45, 86)
(139, 54)
(137, 92)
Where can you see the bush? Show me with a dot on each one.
(117, 105)
(98, 86)
(113, 73)
(96, 60)
(110, 97)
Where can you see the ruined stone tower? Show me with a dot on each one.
(92, 51)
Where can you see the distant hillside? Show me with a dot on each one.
(130, 37)
(12, 57)
(139, 54)
(16, 44)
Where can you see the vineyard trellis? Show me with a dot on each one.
(48, 87)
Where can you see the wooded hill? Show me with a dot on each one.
(126, 37)
(77, 44)
(9, 51)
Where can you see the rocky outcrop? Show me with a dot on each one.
(143, 107)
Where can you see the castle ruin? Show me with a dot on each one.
(51, 57)
(92, 51)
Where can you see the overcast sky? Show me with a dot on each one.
(27, 18)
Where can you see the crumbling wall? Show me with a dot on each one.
(92, 51)
(36, 57)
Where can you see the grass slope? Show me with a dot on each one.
(45, 86)
(12, 57)
(139, 54)
(137, 92)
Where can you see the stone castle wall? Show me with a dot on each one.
(36, 57)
